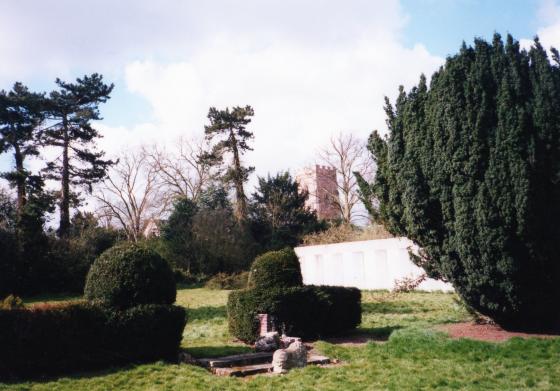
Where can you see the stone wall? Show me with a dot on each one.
(369, 264)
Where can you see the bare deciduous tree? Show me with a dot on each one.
(181, 172)
(347, 155)
(131, 194)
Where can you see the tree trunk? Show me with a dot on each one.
(241, 202)
(20, 181)
(64, 226)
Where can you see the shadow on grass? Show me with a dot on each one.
(385, 307)
(206, 313)
(364, 335)
(54, 297)
(378, 333)
(194, 285)
(79, 374)
(217, 351)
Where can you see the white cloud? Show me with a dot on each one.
(309, 68)
(301, 94)
(549, 33)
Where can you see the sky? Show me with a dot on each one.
(310, 69)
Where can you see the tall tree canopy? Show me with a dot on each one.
(470, 171)
(279, 215)
(229, 134)
(21, 113)
(71, 110)
(205, 237)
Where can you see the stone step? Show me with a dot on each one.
(237, 360)
(249, 370)
(246, 370)
(318, 360)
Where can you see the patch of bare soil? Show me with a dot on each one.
(486, 332)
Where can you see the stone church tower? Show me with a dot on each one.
(320, 182)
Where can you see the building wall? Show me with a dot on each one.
(370, 264)
(321, 183)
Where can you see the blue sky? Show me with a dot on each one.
(443, 24)
(311, 69)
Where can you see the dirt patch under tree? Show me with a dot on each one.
(486, 332)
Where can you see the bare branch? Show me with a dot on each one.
(347, 154)
(181, 172)
(131, 194)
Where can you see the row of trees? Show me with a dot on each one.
(61, 123)
(200, 185)
(145, 183)
(54, 131)
(206, 231)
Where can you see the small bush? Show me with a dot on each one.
(11, 302)
(228, 281)
(279, 269)
(308, 311)
(127, 275)
(65, 338)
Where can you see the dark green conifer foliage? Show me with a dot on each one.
(279, 216)
(228, 130)
(71, 109)
(21, 113)
(470, 172)
(178, 234)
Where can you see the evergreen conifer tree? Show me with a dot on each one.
(71, 109)
(21, 113)
(279, 215)
(470, 172)
(229, 131)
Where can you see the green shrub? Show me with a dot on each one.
(469, 172)
(307, 311)
(60, 339)
(127, 275)
(9, 261)
(11, 302)
(228, 281)
(276, 269)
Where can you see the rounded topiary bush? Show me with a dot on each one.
(129, 274)
(308, 312)
(278, 269)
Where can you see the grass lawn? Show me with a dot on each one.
(414, 356)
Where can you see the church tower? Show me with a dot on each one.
(320, 182)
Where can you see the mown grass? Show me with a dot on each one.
(206, 334)
(415, 357)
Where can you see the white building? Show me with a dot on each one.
(370, 264)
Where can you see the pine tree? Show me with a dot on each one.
(470, 172)
(21, 113)
(228, 130)
(71, 109)
(279, 215)
(178, 236)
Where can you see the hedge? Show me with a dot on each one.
(309, 311)
(61, 339)
(130, 274)
(276, 269)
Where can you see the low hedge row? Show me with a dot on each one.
(306, 311)
(61, 339)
